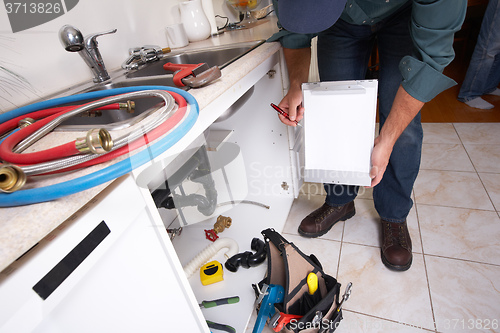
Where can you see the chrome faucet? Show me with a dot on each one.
(73, 41)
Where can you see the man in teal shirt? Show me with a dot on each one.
(415, 44)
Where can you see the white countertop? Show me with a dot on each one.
(23, 227)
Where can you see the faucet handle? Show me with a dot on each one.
(91, 39)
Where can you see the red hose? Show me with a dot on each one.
(7, 155)
(13, 123)
(64, 150)
(166, 126)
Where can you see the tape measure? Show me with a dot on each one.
(211, 273)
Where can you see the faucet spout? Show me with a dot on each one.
(73, 41)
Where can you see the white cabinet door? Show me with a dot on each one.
(111, 269)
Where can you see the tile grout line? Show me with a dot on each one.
(389, 320)
(475, 169)
(478, 209)
(463, 260)
(340, 250)
(425, 268)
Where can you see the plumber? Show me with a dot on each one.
(415, 43)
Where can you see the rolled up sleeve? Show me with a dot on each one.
(433, 26)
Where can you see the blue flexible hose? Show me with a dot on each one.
(56, 191)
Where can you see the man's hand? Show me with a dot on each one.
(297, 63)
(292, 104)
(403, 110)
(380, 159)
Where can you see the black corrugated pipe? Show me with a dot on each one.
(248, 259)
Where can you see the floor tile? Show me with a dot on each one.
(377, 291)
(486, 158)
(438, 156)
(465, 295)
(440, 133)
(365, 193)
(303, 206)
(326, 251)
(364, 228)
(359, 323)
(312, 188)
(452, 189)
(492, 184)
(460, 233)
(478, 133)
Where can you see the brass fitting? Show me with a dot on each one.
(97, 141)
(222, 223)
(12, 178)
(91, 113)
(25, 122)
(129, 106)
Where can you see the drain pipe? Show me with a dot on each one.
(210, 251)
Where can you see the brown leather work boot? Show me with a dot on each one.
(396, 246)
(322, 219)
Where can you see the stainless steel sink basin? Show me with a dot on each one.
(220, 56)
(153, 74)
(118, 119)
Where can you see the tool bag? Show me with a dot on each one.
(289, 267)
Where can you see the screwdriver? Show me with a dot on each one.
(283, 113)
(221, 301)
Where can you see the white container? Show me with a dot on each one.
(176, 36)
(194, 20)
(339, 131)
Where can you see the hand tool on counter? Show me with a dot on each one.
(284, 114)
(220, 327)
(274, 294)
(193, 75)
(220, 301)
(142, 55)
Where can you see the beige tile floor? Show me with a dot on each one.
(454, 282)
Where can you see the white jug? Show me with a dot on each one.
(194, 20)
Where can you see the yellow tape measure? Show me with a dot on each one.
(211, 273)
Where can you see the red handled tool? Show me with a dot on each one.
(284, 114)
(280, 319)
(192, 75)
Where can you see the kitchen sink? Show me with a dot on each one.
(152, 74)
(220, 56)
(118, 119)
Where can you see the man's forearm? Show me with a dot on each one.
(297, 63)
(404, 109)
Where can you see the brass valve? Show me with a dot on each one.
(222, 223)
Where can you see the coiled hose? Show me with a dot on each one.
(209, 252)
(151, 128)
(56, 191)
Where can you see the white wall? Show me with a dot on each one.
(33, 63)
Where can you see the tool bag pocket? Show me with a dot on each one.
(289, 267)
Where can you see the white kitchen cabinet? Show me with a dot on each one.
(108, 269)
(259, 175)
(131, 278)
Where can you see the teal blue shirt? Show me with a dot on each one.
(433, 25)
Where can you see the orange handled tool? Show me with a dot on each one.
(192, 75)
